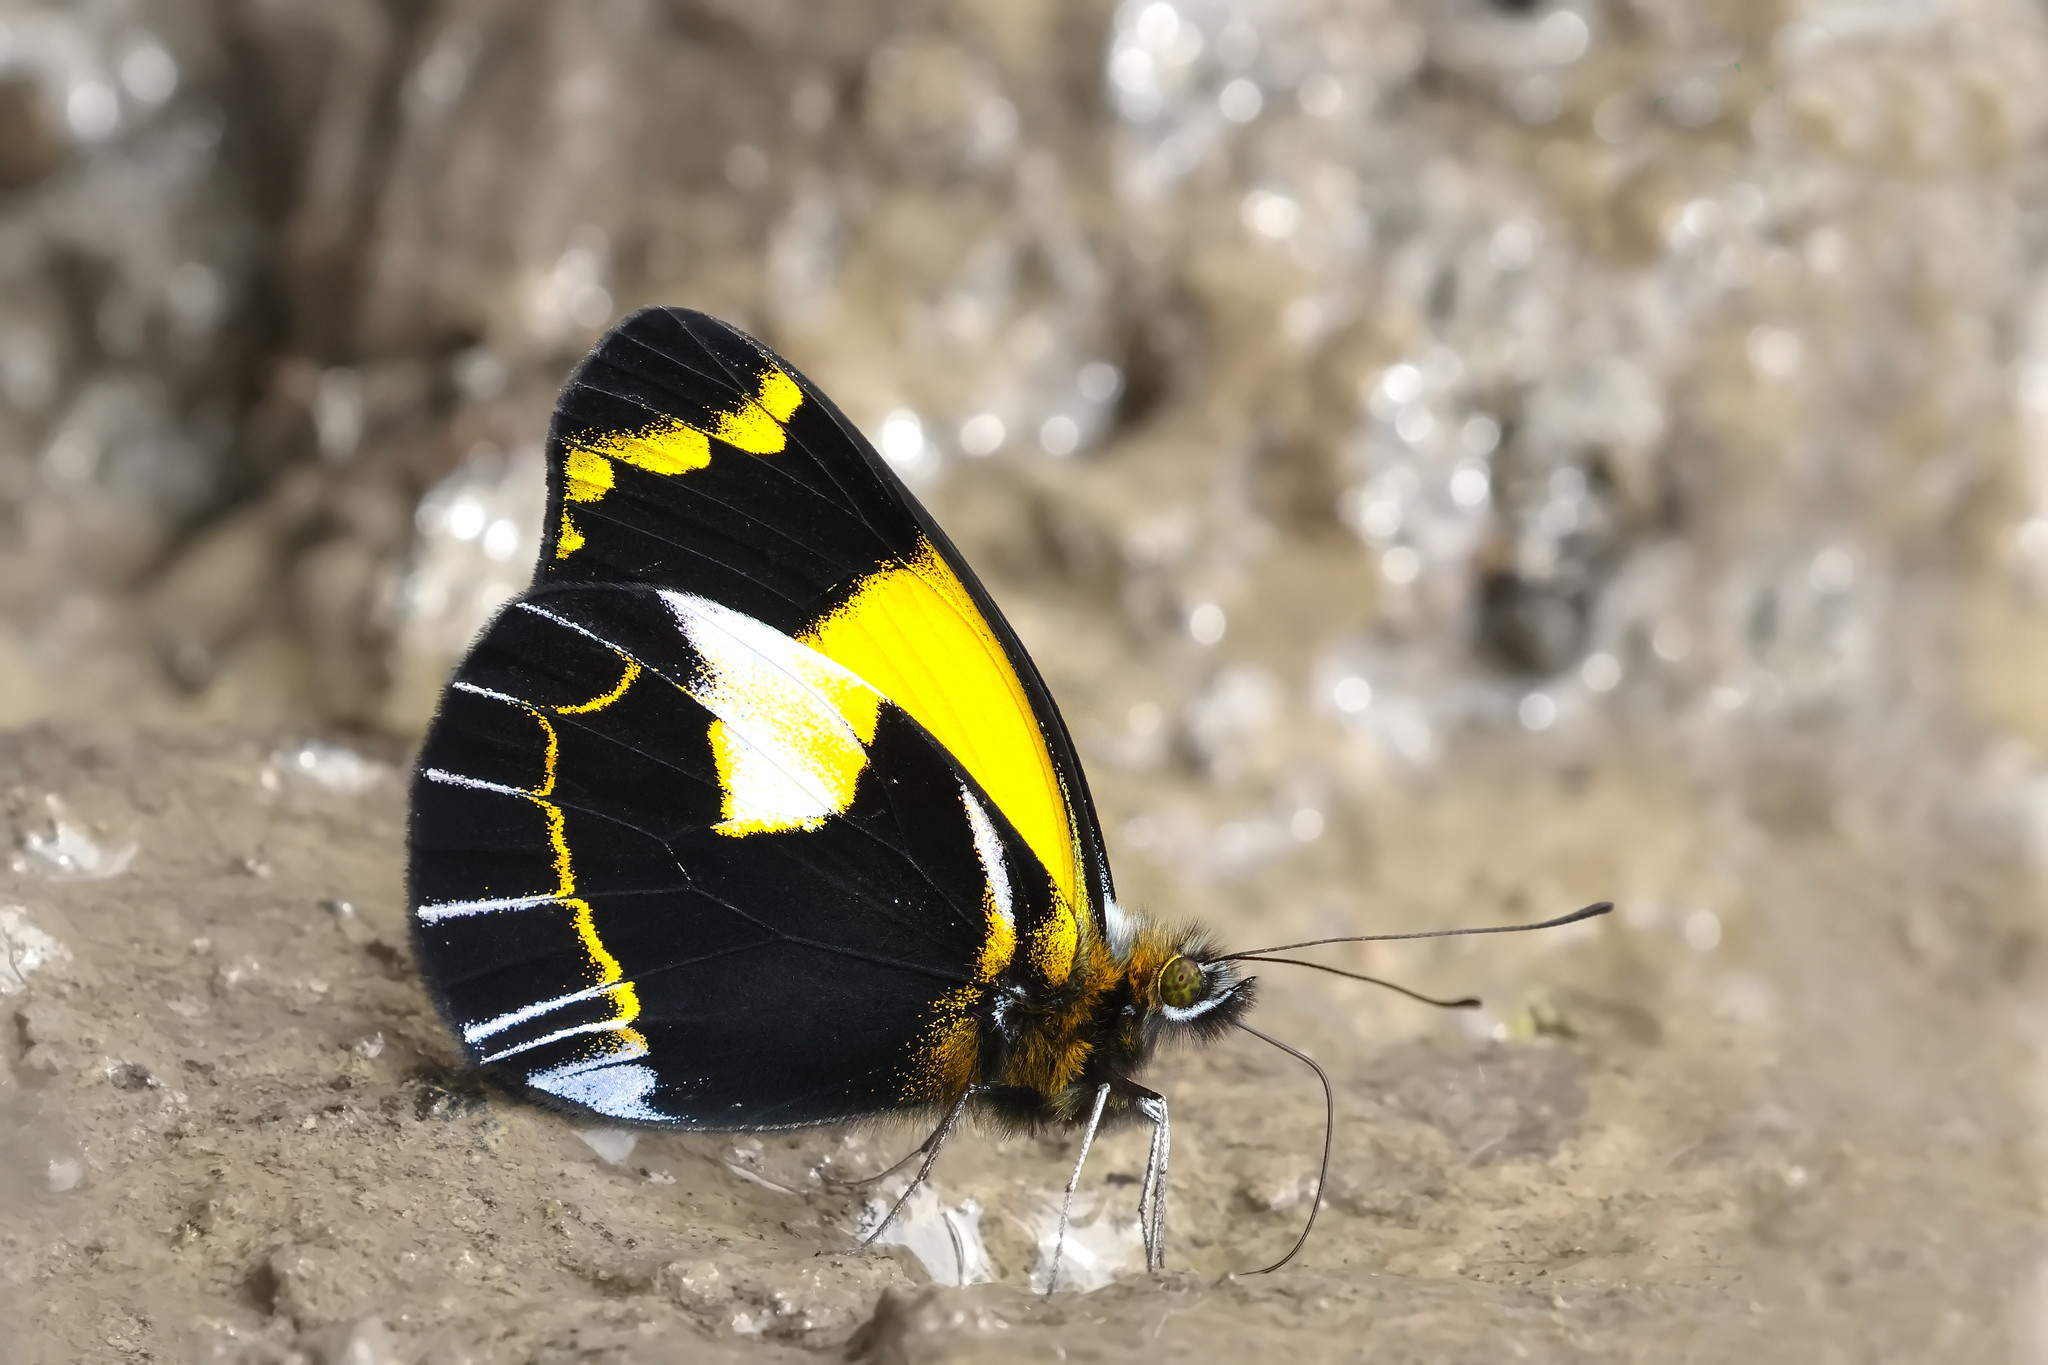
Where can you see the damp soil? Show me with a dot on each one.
(236, 1131)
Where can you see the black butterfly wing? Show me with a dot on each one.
(592, 922)
(686, 455)
(732, 820)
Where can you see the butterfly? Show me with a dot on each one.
(751, 812)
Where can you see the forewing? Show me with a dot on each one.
(686, 456)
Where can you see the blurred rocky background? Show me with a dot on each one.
(1448, 364)
(1353, 401)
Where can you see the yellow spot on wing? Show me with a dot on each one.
(668, 447)
(779, 395)
(755, 425)
(671, 446)
(1000, 945)
(569, 540)
(589, 476)
(913, 633)
(946, 1052)
(608, 969)
(1053, 944)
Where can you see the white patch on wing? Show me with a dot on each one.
(611, 1085)
(988, 846)
(792, 726)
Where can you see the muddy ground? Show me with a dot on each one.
(237, 1132)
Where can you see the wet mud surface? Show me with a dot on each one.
(236, 1130)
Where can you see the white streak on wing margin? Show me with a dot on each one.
(440, 910)
(557, 1036)
(988, 846)
(476, 691)
(476, 1033)
(459, 780)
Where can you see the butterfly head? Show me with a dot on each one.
(1185, 991)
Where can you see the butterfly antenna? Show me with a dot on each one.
(1588, 912)
(1329, 1131)
(1466, 1002)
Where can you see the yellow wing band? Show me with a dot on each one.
(604, 968)
(756, 426)
(672, 446)
(626, 680)
(913, 633)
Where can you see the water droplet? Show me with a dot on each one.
(1059, 435)
(902, 437)
(982, 434)
(1470, 486)
(1099, 381)
(93, 110)
(1271, 215)
(1240, 101)
(1480, 436)
(149, 73)
(1321, 95)
(1703, 931)
(1600, 672)
(1402, 383)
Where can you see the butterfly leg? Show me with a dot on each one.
(1059, 1242)
(937, 1135)
(930, 1150)
(1152, 1191)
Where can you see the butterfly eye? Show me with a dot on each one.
(1180, 983)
